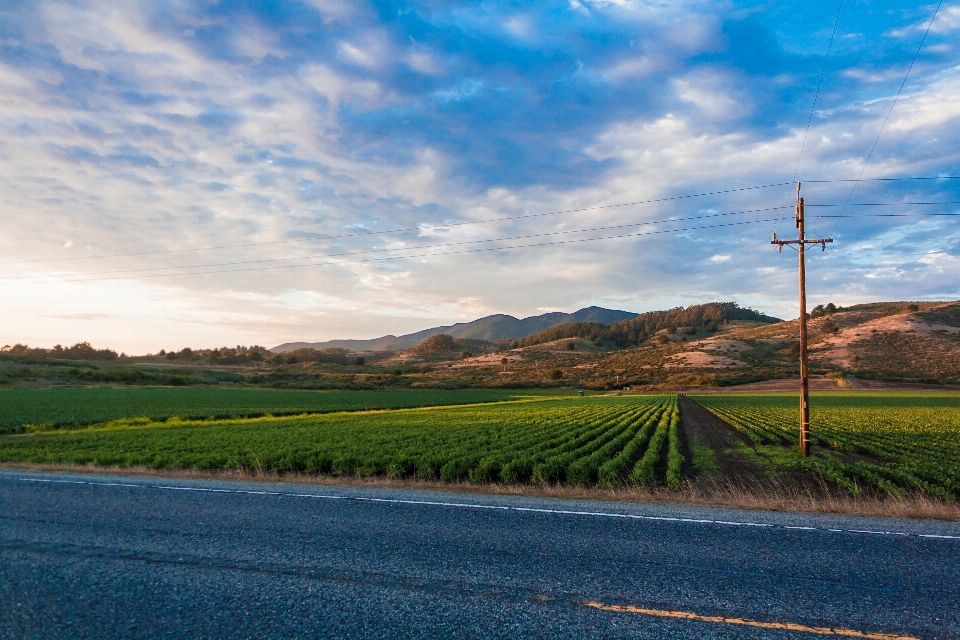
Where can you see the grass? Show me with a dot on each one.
(59, 408)
(716, 493)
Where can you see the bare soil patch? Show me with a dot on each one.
(785, 384)
(828, 384)
(736, 469)
(487, 359)
(701, 360)
(701, 427)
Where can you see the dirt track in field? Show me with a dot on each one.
(736, 469)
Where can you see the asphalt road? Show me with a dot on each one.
(102, 556)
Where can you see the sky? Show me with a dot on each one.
(211, 174)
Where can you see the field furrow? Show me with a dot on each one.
(911, 439)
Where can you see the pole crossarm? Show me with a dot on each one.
(802, 243)
(776, 240)
(820, 241)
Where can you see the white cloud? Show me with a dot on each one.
(522, 26)
(937, 104)
(163, 145)
(946, 21)
(710, 93)
(424, 62)
(339, 89)
(630, 69)
(360, 56)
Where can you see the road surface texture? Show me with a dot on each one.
(91, 556)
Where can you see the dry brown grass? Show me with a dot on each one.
(772, 497)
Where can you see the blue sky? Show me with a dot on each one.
(143, 141)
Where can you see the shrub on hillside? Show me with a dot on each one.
(439, 343)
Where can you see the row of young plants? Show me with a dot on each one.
(906, 442)
(608, 442)
(23, 410)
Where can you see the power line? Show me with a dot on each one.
(417, 228)
(813, 107)
(432, 246)
(884, 179)
(538, 235)
(883, 204)
(428, 255)
(458, 224)
(893, 215)
(942, 250)
(816, 96)
(895, 99)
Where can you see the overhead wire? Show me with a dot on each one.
(442, 253)
(423, 227)
(432, 246)
(816, 98)
(896, 215)
(488, 220)
(408, 229)
(890, 111)
(429, 255)
(132, 272)
(881, 204)
(882, 179)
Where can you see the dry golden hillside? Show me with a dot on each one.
(913, 342)
(903, 342)
(891, 341)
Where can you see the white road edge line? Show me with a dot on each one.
(466, 505)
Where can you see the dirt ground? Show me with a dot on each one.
(703, 427)
(829, 384)
(700, 426)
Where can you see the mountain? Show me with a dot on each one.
(490, 328)
(636, 330)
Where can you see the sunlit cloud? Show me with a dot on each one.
(266, 151)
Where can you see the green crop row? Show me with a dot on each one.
(585, 441)
(34, 409)
(895, 442)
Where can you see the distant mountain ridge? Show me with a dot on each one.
(495, 327)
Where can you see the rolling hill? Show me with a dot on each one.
(899, 343)
(903, 342)
(490, 328)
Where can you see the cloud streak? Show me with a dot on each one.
(138, 128)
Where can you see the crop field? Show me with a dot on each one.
(607, 442)
(36, 409)
(897, 442)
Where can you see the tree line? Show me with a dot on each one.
(636, 331)
(79, 351)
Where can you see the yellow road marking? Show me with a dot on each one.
(789, 626)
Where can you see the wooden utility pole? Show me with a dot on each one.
(801, 243)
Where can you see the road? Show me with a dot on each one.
(92, 556)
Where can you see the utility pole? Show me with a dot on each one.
(801, 243)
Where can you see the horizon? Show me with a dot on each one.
(226, 174)
(389, 335)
